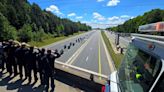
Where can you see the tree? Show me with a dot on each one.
(132, 25)
(59, 30)
(25, 33)
(31, 20)
(38, 35)
(6, 31)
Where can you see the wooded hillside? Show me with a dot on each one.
(132, 25)
(25, 22)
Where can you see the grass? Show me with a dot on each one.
(51, 40)
(115, 57)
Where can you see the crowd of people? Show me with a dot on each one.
(18, 59)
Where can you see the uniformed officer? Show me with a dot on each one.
(49, 68)
(3, 55)
(30, 58)
(10, 58)
(40, 61)
(20, 56)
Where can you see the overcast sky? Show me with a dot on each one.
(99, 13)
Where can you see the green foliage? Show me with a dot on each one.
(33, 23)
(39, 35)
(6, 31)
(132, 25)
(25, 33)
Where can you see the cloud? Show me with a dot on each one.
(71, 14)
(100, 0)
(125, 16)
(54, 9)
(79, 17)
(108, 22)
(113, 2)
(117, 20)
(98, 25)
(98, 16)
(113, 18)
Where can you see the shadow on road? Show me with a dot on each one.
(17, 85)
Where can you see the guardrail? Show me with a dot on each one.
(154, 37)
(83, 79)
(98, 78)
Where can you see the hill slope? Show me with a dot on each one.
(132, 25)
(25, 22)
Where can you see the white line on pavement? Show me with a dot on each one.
(75, 55)
(86, 59)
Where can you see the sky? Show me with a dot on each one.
(99, 13)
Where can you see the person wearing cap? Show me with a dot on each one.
(49, 68)
(10, 62)
(30, 64)
(20, 56)
(40, 62)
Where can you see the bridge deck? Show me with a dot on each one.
(14, 84)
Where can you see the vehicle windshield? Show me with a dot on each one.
(138, 70)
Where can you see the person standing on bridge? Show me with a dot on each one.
(20, 56)
(4, 55)
(49, 68)
(11, 62)
(41, 63)
(31, 64)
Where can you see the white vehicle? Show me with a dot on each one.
(143, 64)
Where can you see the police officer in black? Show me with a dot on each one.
(41, 63)
(49, 69)
(11, 62)
(30, 58)
(3, 55)
(20, 56)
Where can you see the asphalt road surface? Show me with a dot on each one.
(68, 52)
(93, 56)
(90, 53)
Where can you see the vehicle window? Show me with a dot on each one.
(138, 70)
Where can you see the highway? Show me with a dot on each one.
(68, 52)
(93, 56)
(89, 54)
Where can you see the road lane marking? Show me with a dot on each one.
(78, 52)
(86, 59)
(74, 56)
(110, 61)
(99, 57)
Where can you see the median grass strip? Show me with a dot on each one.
(115, 57)
(51, 40)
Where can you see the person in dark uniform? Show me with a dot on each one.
(10, 58)
(20, 56)
(14, 62)
(3, 55)
(49, 69)
(30, 57)
(40, 61)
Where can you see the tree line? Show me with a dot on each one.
(26, 22)
(132, 25)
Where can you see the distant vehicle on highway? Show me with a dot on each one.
(143, 64)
